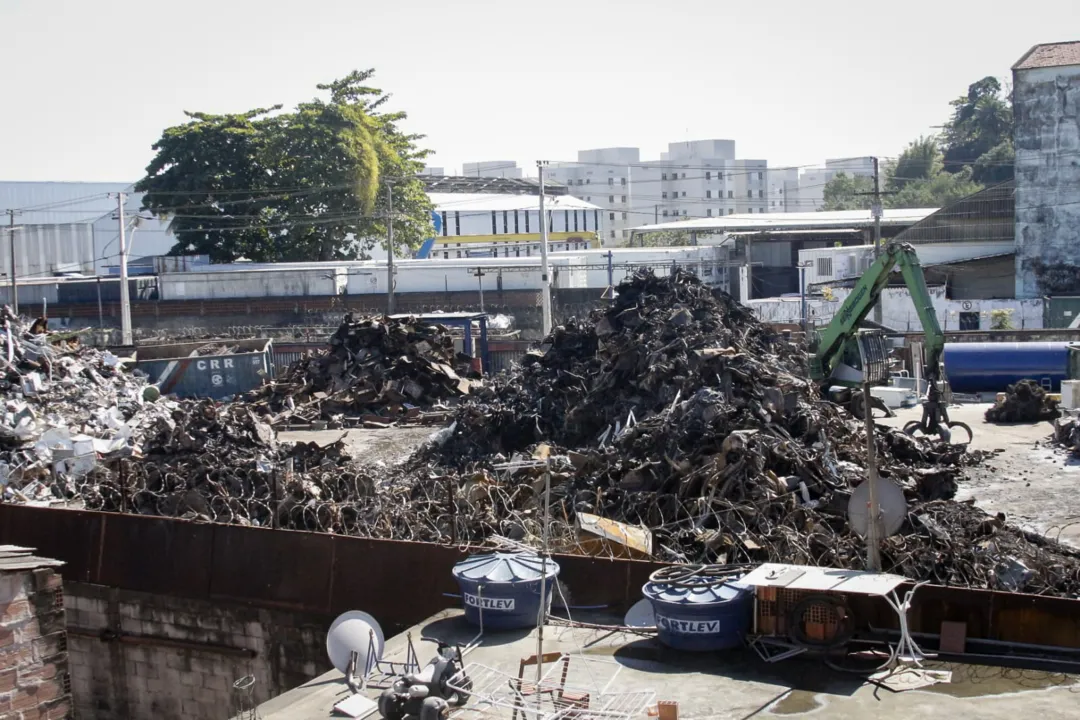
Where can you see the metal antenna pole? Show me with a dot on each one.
(873, 529)
(14, 285)
(542, 615)
(125, 297)
(390, 249)
(545, 270)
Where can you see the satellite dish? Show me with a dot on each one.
(351, 632)
(891, 502)
(641, 615)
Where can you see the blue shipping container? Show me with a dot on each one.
(993, 366)
(504, 588)
(176, 371)
(699, 613)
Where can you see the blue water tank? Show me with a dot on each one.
(992, 366)
(505, 587)
(698, 610)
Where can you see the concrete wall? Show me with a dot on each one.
(33, 646)
(1046, 105)
(169, 658)
(898, 312)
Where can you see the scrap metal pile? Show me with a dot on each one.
(679, 412)
(1026, 401)
(384, 367)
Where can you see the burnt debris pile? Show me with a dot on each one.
(373, 366)
(1024, 402)
(676, 412)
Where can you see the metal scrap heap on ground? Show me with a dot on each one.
(1026, 401)
(678, 412)
(383, 367)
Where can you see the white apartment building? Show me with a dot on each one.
(694, 179)
(793, 190)
(492, 169)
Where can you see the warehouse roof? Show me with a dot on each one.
(502, 186)
(486, 202)
(781, 222)
(1050, 55)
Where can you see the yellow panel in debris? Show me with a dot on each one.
(635, 538)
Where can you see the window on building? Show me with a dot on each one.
(684, 176)
(708, 212)
(761, 193)
(446, 255)
(969, 321)
(761, 176)
(731, 211)
(613, 234)
(708, 175)
(683, 212)
(622, 181)
(731, 193)
(588, 181)
(749, 193)
(445, 225)
(663, 176)
(579, 181)
(663, 195)
(506, 222)
(457, 222)
(528, 251)
(624, 216)
(824, 267)
(719, 176)
(517, 227)
(494, 227)
(708, 193)
(566, 220)
(588, 199)
(458, 254)
(761, 210)
(611, 181)
(610, 216)
(527, 221)
(623, 200)
(665, 213)
(596, 220)
(684, 193)
(611, 198)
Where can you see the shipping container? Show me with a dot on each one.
(177, 370)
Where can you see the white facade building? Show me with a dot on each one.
(492, 168)
(694, 179)
(793, 190)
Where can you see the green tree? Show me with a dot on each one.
(304, 185)
(938, 191)
(846, 192)
(979, 133)
(920, 161)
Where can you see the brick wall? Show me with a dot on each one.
(33, 646)
(138, 655)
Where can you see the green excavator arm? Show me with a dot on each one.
(843, 331)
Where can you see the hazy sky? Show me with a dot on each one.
(89, 86)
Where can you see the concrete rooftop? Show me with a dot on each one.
(734, 685)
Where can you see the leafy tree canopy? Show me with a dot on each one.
(979, 133)
(310, 184)
(844, 192)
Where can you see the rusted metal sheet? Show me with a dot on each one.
(398, 582)
(69, 535)
(150, 555)
(600, 581)
(273, 568)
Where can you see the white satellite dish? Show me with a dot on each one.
(891, 502)
(352, 632)
(641, 615)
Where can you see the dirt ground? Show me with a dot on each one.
(1035, 484)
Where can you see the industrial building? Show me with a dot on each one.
(1046, 108)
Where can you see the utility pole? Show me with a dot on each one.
(545, 270)
(125, 297)
(479, 275)
(876, 212)
(390, 248)
(11, 238)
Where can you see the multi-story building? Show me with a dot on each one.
(792, 190)
(492, 168)
(694, 179)
(1046, 108)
